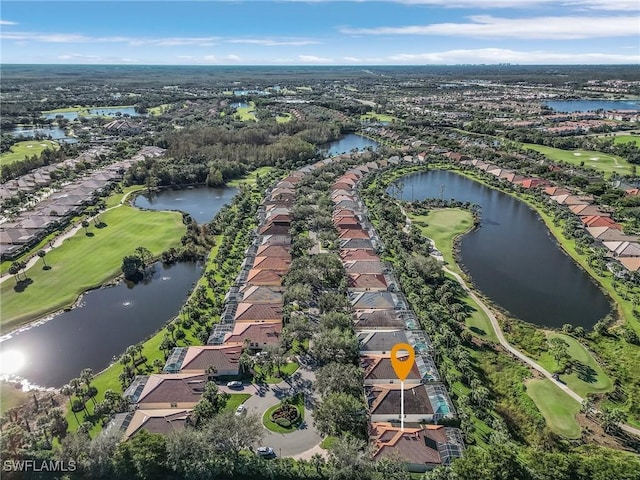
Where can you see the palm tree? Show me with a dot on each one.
(14, 269)
(41, 254)
(158, 364)
(68, 391)
(85, 225)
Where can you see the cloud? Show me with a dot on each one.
(549, 28)
(613, 5)
(131, 41)
(233, 58)
(7, 22)
(352, 59)
(313, 59)
(272, 43)
(499, 55)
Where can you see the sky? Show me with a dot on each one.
(320, 32)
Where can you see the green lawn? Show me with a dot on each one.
(11, 397)
(298, 402)
(159, 110)
(599, 161)
(589, 378)
(380, 117)
(236, 399)
(558, 409)
(286, 371)
(19, 151)
(247, 114)
(284, 118)
(626, 139)
(85, 262)
(443, 227)
(250, 178)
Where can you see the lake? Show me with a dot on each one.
(108, 321)
(349, 142)
(201, 203)
(111, 319)
(30, 131)
(513, 259)
(570, 106)
(98, 111)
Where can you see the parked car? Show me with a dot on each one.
(266, 452)
(234, 384)
(241, 410)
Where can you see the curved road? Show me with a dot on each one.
(503, 341)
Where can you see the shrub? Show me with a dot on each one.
(283, 422)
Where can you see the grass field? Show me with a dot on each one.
(590, 378)
(284, 118)
(236, 399)
(159, 110)
(11, 397)
(19, 151)
(558, 409)
(443, 226)
(83, 262)
(247, 114)
(287, 370)
(250, 179)
(380, 117)
(599, 161)
(626, 139)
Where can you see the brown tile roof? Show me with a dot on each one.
(345, 233)
(247, 312)
(223, 357)
(593, 221)
(364, 266)
(414, 445)
(282, 240)
(359, 254)
(367, 280)
(173, 387)
(260, 334)
(588, 210)
(257, 294)
(272, 263)
(377, 319)
(162, 420)
(378, 367)
(274, 229)
(265, 277)
(385, 400)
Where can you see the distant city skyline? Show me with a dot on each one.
(321, 32)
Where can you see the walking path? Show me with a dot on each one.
(55, 243)
(304, 442)
(503, 341)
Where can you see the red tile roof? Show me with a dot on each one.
(248, 312)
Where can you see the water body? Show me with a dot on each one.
(570, 106)
(349, 142)
(201, 203)
(513, 259)
(100, 111)
(109, 320)
(55, 133)
(239, 105)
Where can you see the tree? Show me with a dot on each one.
(145, 255)
(41, 254)
(350, 459)
(339, 378)
(15, 269)
(341, 413)
(559, 349)
(85, 225)
(611, 419)
(229, 434)
(143, 456)
(335, 345)
(131, 265)
(212, 402)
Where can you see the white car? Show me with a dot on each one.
(266, 452)
(241, 410)
(235, 384)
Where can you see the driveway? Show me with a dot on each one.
(306, 438)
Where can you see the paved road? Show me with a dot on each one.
(503, 341)
(304, 441)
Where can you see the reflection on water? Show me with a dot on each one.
(111, 319)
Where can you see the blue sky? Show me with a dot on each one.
(321, 32)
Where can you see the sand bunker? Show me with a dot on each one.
(594, 158)
(577, 154)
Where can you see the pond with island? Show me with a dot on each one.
(512, 257)
(570, 106)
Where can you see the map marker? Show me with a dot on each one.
(402, 366)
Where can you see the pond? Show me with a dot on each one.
(570, 106)
(107, 322)
(349, 142)
(98, 111)
(512, 258)
(201, 203)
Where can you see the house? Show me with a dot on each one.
(597, 221)
(623, 249)
(258, 312)
(363, 266)
(570, 200)
(257, 295)
(588, 211)
(274, 229)
(422, 403)
(282, 240)
(632, 264)
(255, 336)
(265, 277)
(163, 421)
(272, 263)
(375, 300)
(555, 191)
(422, 447)
(351, 233)
(172, 390)
(122, 127)
(604, 234)
(356, 244)
(380, 341)
(358, 254)
(378, 370)
(225, 359)
(374, 319)
(274, 251)
(532, 183)
(366, 282)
